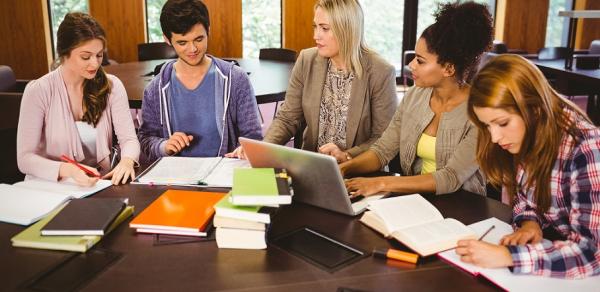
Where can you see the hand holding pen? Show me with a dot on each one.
(83, 175)
(484, 254)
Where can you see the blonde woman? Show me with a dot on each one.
(344, 93)
(545, 153)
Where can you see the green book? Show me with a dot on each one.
(225, 208)
(32, 238)
(260, 186)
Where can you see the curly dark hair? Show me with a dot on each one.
(179, 16)
(460, 35)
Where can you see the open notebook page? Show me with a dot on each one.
(65, 187)
(24, 206)
(222, 174)
(180, 170)
(405, 211)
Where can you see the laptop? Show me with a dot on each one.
(316, 178)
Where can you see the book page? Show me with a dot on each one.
(24, 206)
(437, 235)
(222, 174)
(405, 211)
(180, 170)
(67, 187)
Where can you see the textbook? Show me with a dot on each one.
(240, 238)
(32, 238)
(416, 223)
(225, 208)
(226, 222)
(90, 216)
(178, 212)
(28, 201)
(503, 278)
(192, 171)
(260, 186)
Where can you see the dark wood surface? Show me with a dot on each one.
(269, 78)
(201, 266)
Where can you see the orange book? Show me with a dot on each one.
(178, 212)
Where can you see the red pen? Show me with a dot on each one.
(69, 160)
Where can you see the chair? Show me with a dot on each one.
(407, 57)
(499, 48)
(553, 53)
(155, 51)
(278, 54)
(10, 104)
(8, 81)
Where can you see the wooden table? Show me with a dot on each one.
(269, 78)
(574, 82)
(201, 266)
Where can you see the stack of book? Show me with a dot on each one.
(76, 226)
(243, 216)
(178, 212)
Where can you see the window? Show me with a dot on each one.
(261, 26)
(153, 8)
(428, 7)
(384, 28)
(557, 27)
(58, 10)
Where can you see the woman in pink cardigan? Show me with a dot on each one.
(74, 110)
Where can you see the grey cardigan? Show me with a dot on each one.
(372, 102)
(455, 144)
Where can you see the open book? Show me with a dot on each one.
(28, 201)
(192, 171)
(507, 280)
(416, 223)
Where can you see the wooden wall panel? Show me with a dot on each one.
(297, 20)
(125, 25)
(525, 24)
(26, 47)
(587, 29)
(225, 38)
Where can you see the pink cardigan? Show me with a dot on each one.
(47, 128)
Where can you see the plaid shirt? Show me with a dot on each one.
(574, 212)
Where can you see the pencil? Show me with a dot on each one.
(87, 171)
(486, 233)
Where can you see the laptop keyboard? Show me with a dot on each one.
(356, 199)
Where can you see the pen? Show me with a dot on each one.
(87, 171)
(389, 253)
(486, 233)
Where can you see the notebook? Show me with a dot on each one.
(262, 214)
(32, 238)
(90, 216)
(178, 212)
(508, 281)
(260, 186)
(28, 201)
(416, 223)
(192, 171)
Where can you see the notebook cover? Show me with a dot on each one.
(179, 210)
(254, 182)
(91, 216)
(261, 214)
(32, 238)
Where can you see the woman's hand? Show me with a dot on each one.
(530, 232)
(78, 175)
(483, 254)
(365, 186)
(335, 151)
(177, 142)
(122, 172)
(237, 153)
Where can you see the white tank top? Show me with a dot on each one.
(88, 135)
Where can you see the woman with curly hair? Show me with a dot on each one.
(430, 128)
(74, 110)
(545, 153)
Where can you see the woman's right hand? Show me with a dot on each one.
(530, 232)
(79, 176)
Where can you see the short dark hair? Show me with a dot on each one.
(460, 35)
(179, 16)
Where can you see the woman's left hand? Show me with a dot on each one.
(122, 172)
(335, 151)
(484, 254)
(365, 186)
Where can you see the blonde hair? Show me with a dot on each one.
(512, 83)
(347, 24)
